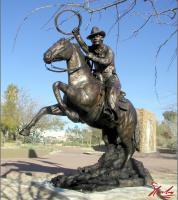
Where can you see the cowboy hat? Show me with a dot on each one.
(96, 31)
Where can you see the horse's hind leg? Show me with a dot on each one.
(129, 150)
(105, 137)
(109, 136)
(52, 110)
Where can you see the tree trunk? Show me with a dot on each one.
(14, 136)
(5, 135)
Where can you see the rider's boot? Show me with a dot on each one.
(109, 110)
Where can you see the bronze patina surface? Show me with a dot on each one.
(93, 96)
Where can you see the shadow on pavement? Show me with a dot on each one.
(30, 167)
(21, 190)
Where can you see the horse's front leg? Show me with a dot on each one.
(52, 110)
(57, 86)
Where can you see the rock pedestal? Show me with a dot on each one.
(107, 174)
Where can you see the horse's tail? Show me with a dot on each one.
(136, 136)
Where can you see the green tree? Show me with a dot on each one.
(28, 108)
(167, 129)
(170, 116)
(50, 122)
(96, 136)
(17, 111)
(88, 135)
(75, 134)
(10, 117)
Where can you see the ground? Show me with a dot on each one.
(163, 168)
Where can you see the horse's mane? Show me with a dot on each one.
(78, 48)
(76, 45)
(82, 56)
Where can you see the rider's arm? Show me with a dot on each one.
(79, 39)
(89, 64)
(104, 61)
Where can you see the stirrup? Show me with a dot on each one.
(107, 110)
(108, 113)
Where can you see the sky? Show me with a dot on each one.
(134, 60)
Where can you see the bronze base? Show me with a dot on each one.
(106, 174)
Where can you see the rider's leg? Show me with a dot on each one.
(113, 88)
(99, 77)
(111, 97)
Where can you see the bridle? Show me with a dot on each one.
(61, 69)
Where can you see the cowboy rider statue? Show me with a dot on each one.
(102, 58)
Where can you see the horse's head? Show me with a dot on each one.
(61, 50)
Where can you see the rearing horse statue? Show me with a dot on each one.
(84, 100)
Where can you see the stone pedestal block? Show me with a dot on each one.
(147, 129)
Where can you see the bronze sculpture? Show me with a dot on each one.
(84, 101)
(102, 58)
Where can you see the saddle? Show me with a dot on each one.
(121, 103)
(105, 111)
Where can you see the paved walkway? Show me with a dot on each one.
(21, 173)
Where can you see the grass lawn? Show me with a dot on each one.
(16, 150)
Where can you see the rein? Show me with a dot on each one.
(60, 69)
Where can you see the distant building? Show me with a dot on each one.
(55, 134)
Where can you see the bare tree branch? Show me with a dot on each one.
(26, 17)
(84, 6)
(155, 12)
(118, 29)
(163, 17)
(153, 6)
(172, 59)
(164, 43)
(135, 33)
(156, 57)
(52, 17)
(132, 5)
(89, 22)
(90, 10)
(172, 11)
(144, 16)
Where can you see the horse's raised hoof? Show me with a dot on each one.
(25, 132)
